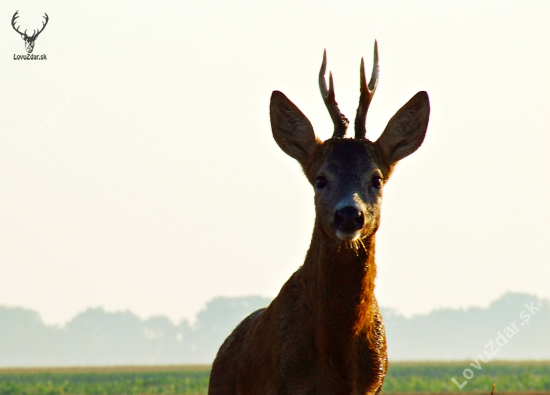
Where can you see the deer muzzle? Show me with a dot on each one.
(348, 222)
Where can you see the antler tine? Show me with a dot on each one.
(47, 19)
(373, 83)
(340, 121)
(367, 92)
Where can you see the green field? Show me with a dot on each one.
(106, 381)
(510, 377)
(435, 377)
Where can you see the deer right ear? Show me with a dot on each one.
(291, 129)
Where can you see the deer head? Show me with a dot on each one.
(29, 40)
(348, 174)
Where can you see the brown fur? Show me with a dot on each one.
(323, 333)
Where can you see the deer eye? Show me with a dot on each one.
(376, 182)
(320, 182)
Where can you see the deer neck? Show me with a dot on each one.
(342, 275)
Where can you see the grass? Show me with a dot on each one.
(135, 380)
(420, 378)
(436, 377)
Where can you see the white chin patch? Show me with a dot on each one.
(348, 236)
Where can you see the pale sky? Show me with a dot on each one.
(160, 186)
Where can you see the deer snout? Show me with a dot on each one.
(348, 221)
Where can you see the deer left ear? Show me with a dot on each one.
(406, 130)
(292, 130)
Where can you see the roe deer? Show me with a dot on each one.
(323, 333)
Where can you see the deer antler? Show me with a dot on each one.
(367, 92)
(43, 25)
(35, 33)
(340, 121)
(15, 16)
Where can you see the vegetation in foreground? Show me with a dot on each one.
(436, 377)
(106, 381)
(528, 377)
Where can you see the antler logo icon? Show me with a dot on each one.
(29, 40)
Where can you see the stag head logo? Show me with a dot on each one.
(29, 40)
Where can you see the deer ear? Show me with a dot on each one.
(406, 130)
(291, 129)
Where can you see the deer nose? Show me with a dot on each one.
(349, 219)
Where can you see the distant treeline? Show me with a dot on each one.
(517, 326)
(97, 337)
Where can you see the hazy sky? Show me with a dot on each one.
(157, 184)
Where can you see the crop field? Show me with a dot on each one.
(436, 377)
(105, 380)
(403, 378)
